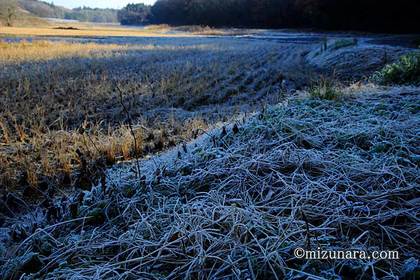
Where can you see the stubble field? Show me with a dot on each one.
(67, 100)
(205, 157)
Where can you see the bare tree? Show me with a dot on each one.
(8, 11)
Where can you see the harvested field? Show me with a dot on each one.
(205, 157)
(63, 99)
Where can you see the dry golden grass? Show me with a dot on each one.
(45, 50)
(157, 27)
(84, 30)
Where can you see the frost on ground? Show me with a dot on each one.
(237, 202)
(354, 59)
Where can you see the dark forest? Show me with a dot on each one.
(370, 15)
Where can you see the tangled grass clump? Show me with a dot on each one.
(325, 89)
(235, 204)
(404, 72)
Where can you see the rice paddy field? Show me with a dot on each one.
(172, 93)
(171, 155)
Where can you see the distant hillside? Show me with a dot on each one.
(43, 9)
(47, 10)
(13, 14)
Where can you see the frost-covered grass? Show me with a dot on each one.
(344, 43)
(235, 204)
(353, 59)
(328, 168)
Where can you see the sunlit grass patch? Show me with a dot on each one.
(15, 52)
(405, 71)
(84, 30)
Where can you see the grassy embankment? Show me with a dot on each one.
(336, 174)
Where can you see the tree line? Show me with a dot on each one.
(92, 14)
(368, 15)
